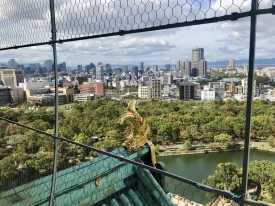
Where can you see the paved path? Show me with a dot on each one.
(180, 146)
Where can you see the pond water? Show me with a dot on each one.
(199, 166)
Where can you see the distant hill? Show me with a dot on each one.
(243, 61)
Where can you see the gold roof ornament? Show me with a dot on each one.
(139, 130)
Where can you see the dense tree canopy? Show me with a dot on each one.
(261, 176)
(170, 121)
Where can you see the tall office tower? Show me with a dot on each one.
(124, 68)
(49, 65)
(100, 63)
(185, 68)
(12, 64)
(155, 69)
(99, 73)
(199, 65)
(232, 88)
(155, 89)
(141, 66)
(79, 68)
(167, 79)
(11, 77)
(92, 65)
(187, 91)
(92, 71)
(135, 71)
(62, 66)
(108, 68)
(203, 68)
(232, 63)
(245, 68)
(245, 86)
(178, 65)
(167, 67)
(87, 68)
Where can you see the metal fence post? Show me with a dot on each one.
(53, 31)
(250, 91)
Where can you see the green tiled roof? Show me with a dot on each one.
(122, 184)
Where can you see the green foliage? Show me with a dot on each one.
(157, 148)
(107, 144)
(225, 140)
(187, 145)
(170, 121)
(271, 141)
(263, 173)
(226, 177)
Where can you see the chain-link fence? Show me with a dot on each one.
(27, 179)
(28, 22)
(90, 176)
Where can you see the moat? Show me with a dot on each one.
(199, 166)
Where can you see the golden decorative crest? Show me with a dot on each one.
(139, 128)
(98, 181)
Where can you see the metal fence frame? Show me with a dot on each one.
(253, 13)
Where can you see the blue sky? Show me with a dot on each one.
(221, 41)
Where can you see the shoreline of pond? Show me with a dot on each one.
(176, 153)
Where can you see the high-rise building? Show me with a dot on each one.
(155, 69)
(92, 65)
(11, 77)
(79, 68)
(141, 66)
(185, 68)
(197, 54)
(62, 66)
(12, 64)
(167, 79)
(245, 86)
(232, 63)
(135, 71)
(100, 73)
(155, 89)
(108, 68)
(199, 65)
(124, 68)
(203, 68)
(232, 88)
(178, 65)
(245, 68)
(87, 68)
(49, 65)
(167, 67)
(187, 91)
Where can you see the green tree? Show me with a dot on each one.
(107, 144)
(226, 177)
(271, 141)
(262, 173)
(225, 139)
(187, 145)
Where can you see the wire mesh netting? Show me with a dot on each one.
(26, 162)
(24, 22)
(88, 18)
(96, 179)
(28, 21)
(263, 4)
